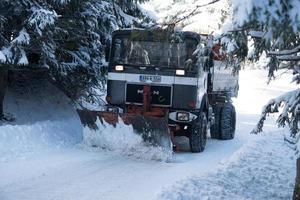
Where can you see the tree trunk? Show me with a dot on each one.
(3, 87)
(297, 183)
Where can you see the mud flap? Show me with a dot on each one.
(153, 130)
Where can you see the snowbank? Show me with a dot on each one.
(124, 141)
(264, 168)
(37, 102)
(45, 119)
(20, 140)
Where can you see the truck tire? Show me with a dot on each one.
(227, 122)
(215, 128)
(198, 132)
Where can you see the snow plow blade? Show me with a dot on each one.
(153, 130)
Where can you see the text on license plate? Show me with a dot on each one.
(150, 78)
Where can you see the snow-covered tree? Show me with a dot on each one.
(202, 16)
(69, 38)
(274, 26)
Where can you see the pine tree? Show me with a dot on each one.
(274, 26)
(69, 38)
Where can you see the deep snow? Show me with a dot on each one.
(36, 163)
(124, 141)
(256, 171)
(45, 119)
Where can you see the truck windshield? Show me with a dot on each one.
(150, 53)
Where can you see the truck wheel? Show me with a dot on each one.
(227, 122)
(198, 132)
(215, 128)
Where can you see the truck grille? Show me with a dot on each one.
(160, 95)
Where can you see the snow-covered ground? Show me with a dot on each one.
(258, 170)
(42, 155)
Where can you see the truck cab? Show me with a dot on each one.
(141, 57)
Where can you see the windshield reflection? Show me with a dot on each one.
(158, 54)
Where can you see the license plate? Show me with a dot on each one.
(150, 78)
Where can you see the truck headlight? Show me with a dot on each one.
(183, 116)
(180, 72)
(114, 109)
(119, 68)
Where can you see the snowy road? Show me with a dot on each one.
(75, 172)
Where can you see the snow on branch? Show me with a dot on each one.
(288, 58)
(256, 34)
(288, 105)
(2, 57)
(23, 58)
(175, 20)
(285, 52)
(61, 2)
(41, 18)
(23, 38)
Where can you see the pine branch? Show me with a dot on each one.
(4, 40)
(192, 13)
(285, 52)
(195, 11)
(256, 34)
(288, 58)
(289, 102)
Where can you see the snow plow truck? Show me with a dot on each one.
(160, 85)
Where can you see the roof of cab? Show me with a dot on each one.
(186, 34)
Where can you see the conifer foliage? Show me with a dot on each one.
(274, 25)
(69, 38)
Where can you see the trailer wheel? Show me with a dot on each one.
(215, 128)
(198, 132)
(227, 122)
